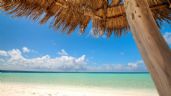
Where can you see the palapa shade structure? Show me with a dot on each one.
(70, 14)
(142, 17)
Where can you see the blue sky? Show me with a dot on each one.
(26, 45)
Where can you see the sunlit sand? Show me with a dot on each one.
(21, 89)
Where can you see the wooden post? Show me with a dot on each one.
(152, 46)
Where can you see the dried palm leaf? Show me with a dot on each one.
(67, 15)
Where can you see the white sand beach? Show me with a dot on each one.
(22, 89)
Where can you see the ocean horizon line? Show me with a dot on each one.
(23, 71)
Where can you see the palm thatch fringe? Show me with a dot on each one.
(107, 18)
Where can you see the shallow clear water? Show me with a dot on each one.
(108, 80)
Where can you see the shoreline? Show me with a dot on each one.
(22, 89)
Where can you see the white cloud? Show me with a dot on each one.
(15, 54)
(135, 65)
(14, 60)
(107, 68)
(25, 50)
(129, 67)
(81, 59)
(167, 37)
(63, 53)
(3, 53)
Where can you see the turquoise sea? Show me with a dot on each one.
(108, 80)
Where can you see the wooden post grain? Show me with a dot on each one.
(152, 46)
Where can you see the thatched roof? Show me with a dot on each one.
(67, 15)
